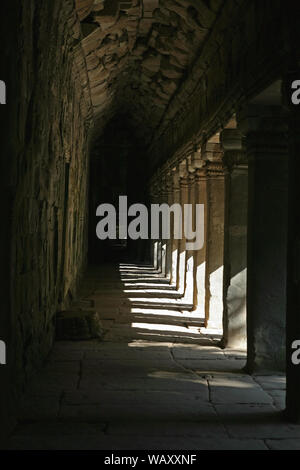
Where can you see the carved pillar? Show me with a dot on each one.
(215, 236)
(266, 148)
(184, 185)
(200, 255)
(235, 242)
(190, 254)
(153, 254)
(156, 250)
(169, 243)
(175, 242)
(163, 242)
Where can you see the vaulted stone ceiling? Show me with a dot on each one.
(138, 52)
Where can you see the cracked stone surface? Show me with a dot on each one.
(150, 391)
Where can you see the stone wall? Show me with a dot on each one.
(45, 176)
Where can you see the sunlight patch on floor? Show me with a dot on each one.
(162, 327)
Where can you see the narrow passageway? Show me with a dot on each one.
(155, 379)
(149, 188)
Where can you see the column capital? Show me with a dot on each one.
(216, 169)
(169, 182)
(164, 185)
(191, 177)
(264, 130)
(257, 118)
(212, 151)
(231, 139)
(183, 168)
(196, 158)
(234, 159)
(183, 173)
(184, 181)
(201, 174)
(232, 145)
(155, 187)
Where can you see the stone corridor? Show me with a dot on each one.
(124, 340)
(157, 379)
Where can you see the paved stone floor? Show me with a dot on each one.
(157, 380)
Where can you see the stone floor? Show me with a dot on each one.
(156, 380)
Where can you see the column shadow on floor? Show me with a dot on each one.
(153, 380)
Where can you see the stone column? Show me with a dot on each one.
(175, 242)
(169, 243)
(235, 242)
(163, 242)
(214, 235)
(293, 257)
(266, 148)
(189, 278)
(183, 184)
(200, 255)
(153, 255)
(156, 243)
